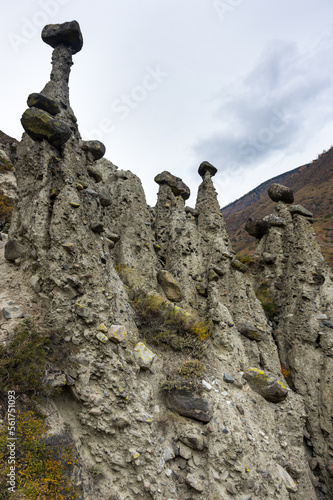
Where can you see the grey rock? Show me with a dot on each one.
(97, 227)
(40, 125)
(96, 148)
(12, 312)
(95, 174)
(192, 211)
(228, 378)
(299, 210)
(193, 440)
(194, 483)
(239, 266)
(41, 101)
(278, 192)
(188, 404)
(68, 34)
(256, 227)
(178, 187)
(205, 167)
(266, 384)
(14, 250)
(269, 258)
(105, 199)
(274, 220)
(170, 286)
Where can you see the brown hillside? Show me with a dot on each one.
(312, 185)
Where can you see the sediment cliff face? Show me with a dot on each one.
(174, 389)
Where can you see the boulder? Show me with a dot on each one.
(14, 250)
(274, 220)
(104, 199)
(170, 286)
(41, 101)
(177, 186)
(143, 356)
(269, 258)
(205, 167)
(287, 479)
(39, 125)
(266, 384)
(256, 227)
(239, 266)
(96, 148)
(95, 174)
(188, 404)
(68, 34)
(277, 192)
(117, 333)
(249, 331)
(299, 210)
(194, 440)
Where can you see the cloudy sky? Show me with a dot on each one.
(166, 84)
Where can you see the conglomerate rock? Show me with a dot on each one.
(97, 285)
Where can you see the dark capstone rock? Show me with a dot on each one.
(277, 192)
(14, 250)
(299, 210)
(249, 331)
(41, 101)
(205, 167)
(239, 266)
(40, 125)
(95, 174)
(269, 258)
(68, 34)
(177, 186)
(327, 323)
(188, 404)
(96, 148)
(266, 384)
(105, 199)
(228, 379)
(256, 227)
(97, 228)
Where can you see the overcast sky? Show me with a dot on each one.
(166, 84)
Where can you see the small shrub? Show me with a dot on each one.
(6, 210)
(23, 360)
(44, 465)
(192, 369)
(265, 296)
(248, 260)
(161, 322)
(186, 378)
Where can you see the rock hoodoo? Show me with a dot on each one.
(172, 387)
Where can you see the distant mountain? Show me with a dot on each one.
(313, 188)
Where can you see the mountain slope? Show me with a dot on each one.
(312, 185)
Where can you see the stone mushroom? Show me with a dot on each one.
(68, 34)
(205, 167)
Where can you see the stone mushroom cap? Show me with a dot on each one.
(68, 34)
(278, 192)
(178, 187)
(204, 167)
